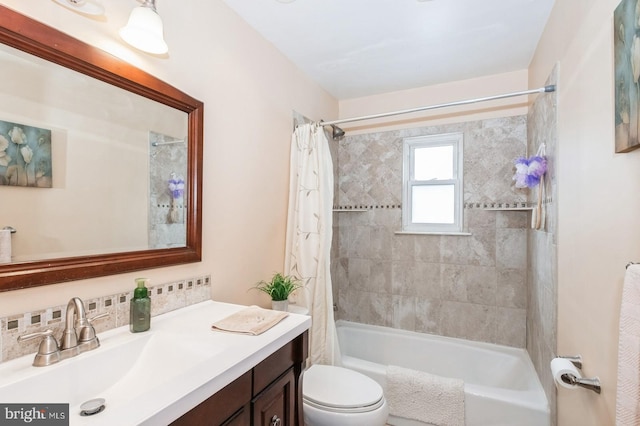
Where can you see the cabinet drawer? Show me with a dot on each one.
(221, 406)
(273, 367)
(275, 406)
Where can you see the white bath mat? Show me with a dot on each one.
(425, 397)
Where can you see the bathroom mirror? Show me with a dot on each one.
(100, 162)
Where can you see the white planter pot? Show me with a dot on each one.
(280, 305)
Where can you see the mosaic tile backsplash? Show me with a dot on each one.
(164, 298)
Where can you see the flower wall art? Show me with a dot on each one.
(25, 155)
(626, 27)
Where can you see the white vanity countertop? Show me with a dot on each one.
(149, 378)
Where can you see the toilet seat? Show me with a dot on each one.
(341, 390)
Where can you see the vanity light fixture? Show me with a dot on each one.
(144, 29)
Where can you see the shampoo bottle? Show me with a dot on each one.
(140, 311)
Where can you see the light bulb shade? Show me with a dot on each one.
(144, 31)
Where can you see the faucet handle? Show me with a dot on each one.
(97, 317)
(87, 338)
(48, 351)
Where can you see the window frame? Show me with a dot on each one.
(409, 146)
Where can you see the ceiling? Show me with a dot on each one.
(355, 48)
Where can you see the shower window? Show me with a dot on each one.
(432, 190)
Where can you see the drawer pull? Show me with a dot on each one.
(275, 420)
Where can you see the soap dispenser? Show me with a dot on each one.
(140, 311)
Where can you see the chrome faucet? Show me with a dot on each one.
(78, 336)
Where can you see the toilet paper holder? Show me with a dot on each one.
(591, 384)
(575, 360)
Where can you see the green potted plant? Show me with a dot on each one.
(279, 288)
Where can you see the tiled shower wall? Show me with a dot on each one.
(471, 286)
(164, 160)
(542, 272)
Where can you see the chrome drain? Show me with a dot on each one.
(92, 407)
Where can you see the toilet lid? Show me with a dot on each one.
(337, 387)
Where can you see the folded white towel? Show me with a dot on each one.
(628, 391)
(425, 397)
(252, 320)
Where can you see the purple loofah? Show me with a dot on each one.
(176, 187)
(529, 171)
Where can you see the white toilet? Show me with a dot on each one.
(336, 396)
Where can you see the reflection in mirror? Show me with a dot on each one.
(103, 163)
(100, 163)
(167, 167)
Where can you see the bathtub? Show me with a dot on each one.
(500, 383)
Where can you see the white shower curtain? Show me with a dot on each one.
(309, 230)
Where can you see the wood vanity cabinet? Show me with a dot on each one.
(270, 394)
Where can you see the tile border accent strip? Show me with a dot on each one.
(164, 298)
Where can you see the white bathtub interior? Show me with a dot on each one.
(501, 385)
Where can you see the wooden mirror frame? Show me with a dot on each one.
(28, 35)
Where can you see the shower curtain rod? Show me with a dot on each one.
(167, 143)
(550, 88)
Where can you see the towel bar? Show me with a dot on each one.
(629, 264)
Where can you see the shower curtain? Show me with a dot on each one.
(309, 230)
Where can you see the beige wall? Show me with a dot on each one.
(249, 90)
(598, 224)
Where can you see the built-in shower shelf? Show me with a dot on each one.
(521, 206)
(514, 209)
(365, 207)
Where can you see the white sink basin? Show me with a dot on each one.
(73, 380)
(151, 377)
